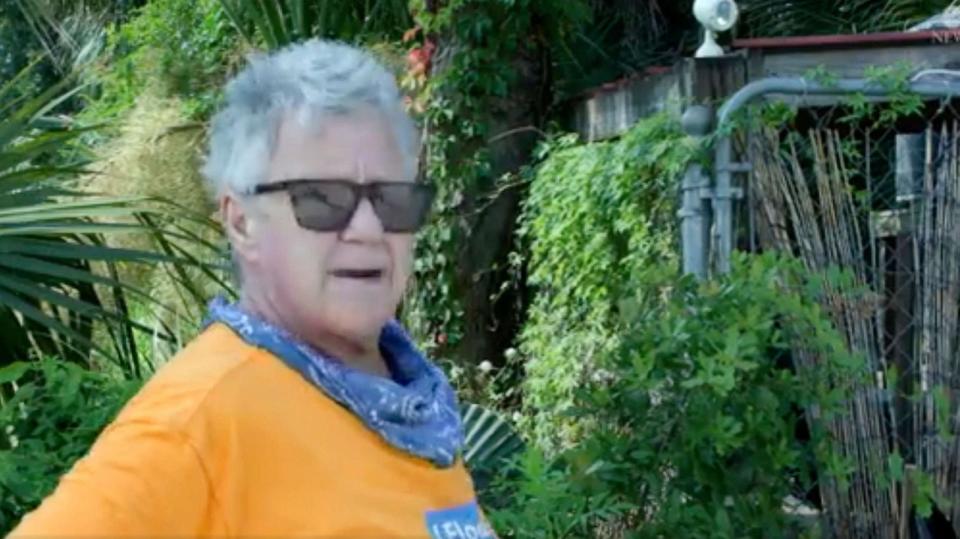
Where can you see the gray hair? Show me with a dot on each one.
(309, 80)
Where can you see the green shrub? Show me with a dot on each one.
(539, 498)
(171, 48)
(594, 212)
(692, 415)
(51, 412)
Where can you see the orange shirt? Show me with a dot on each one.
(226, 440)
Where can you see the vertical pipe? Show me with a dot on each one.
(694, 211)
(723, 205)
(694, 222)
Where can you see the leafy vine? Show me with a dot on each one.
(460, 66)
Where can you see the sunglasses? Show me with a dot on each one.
(329, 205)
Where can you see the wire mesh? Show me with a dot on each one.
(875, 195)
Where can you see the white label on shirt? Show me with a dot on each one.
(461, 522)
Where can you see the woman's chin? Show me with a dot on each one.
(355, 324)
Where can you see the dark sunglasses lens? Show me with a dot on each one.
(402, 207)
(322, 206)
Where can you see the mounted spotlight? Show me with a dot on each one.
(715, 16)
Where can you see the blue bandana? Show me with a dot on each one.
(415, 412)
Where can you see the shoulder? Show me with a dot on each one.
(216, 366)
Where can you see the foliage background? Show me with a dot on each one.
(547, 327)
(594, 216)
(43, 431)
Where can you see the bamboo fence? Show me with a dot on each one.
(819, 195)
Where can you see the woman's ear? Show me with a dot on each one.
(239, 225)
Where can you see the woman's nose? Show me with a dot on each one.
(364, 225)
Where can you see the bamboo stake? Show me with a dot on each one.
(953, 455)
(826, 232)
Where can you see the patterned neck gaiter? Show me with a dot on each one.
(416, 411)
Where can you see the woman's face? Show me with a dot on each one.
(350, 282)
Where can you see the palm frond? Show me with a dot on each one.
(489, 444)
(70, 33)
(277, 23)
(53, 239)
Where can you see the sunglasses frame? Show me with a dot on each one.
(369, 191)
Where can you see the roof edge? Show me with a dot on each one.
(932, 37)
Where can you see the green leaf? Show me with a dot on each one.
(924, 493)
(13, 372)
(895, 465)
(50, 323)
(298, 18)
(270, 20)
(282, 22)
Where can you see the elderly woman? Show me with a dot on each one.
(304, 409)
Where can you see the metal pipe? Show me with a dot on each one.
(723, 205)
(694, 211)
(801, 86)
(723, 190)
(694, 221)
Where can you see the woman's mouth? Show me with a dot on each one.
(361, 274)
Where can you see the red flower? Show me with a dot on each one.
(418, 59)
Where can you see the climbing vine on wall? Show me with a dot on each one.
(461, 64)
(596, 216)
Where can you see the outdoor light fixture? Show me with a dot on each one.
(715, 16)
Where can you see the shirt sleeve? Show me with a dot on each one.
(139, 480)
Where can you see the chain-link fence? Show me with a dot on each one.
(870, 194)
